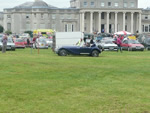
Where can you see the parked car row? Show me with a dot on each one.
(13, 43)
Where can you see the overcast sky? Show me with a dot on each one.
(57, 3)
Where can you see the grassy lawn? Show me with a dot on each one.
(47, 83)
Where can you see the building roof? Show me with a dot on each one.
(35, 4)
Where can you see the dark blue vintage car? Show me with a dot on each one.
(79, 50)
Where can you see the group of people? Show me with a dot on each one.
(119, 40)
(86, 44)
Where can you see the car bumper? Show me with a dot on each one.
(42, 47)
(19, 46)
(110, 48)
(10, 47)
(137, 48)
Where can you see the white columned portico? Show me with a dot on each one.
(91, 22)
(116, 19)
(83, 13)
(140, 23)
(107, 22)
(99, 22)
(124, 14)
(132, 22)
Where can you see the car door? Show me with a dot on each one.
(85, 50)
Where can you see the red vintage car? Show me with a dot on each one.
(19, 43)
(131, 45)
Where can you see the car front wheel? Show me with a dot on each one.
(62, 52)
(95, 53)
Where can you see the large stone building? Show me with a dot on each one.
(83, 15)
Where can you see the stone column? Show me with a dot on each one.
(91, 22)
(83, 13)
(99, 22)
(116, 19)
(132, 22)
(137, 22)
(140, 23)
(81, 22)
(124, 15)
(107, 22)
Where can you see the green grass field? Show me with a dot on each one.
(47, 83)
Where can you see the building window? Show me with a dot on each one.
(54, 26)
(126, 27)
(85, 4)
(146, 28)
(42, 16)
(66, 27)
(109, 15)
(35, 15)
(62, 16)
(85, 27)
(69, 27)
(116, 4)
(53, 16)
(146, 17)
(132, 4)
(27, 16)
(143, 28)
(35, 26)
(102, 4)
(125, 4)
(42, 26)
(109, 4)
(72, 28)
(9, 26)
(85, 17)
(27, 26)
(103, 15)
(69, 17)
(8, 16)
(126, 17)
(92, 3)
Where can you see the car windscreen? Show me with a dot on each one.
(48, 39)
(42, 40)
(133, 42)
(10, 40)
(107, 42)
(19, 40)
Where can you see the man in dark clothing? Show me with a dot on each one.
(28, 42)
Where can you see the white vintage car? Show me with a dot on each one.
(10, 44)
(40, 43)
(107, 45)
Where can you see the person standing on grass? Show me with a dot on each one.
(119, 44)
(4, 42)
(28, 42)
